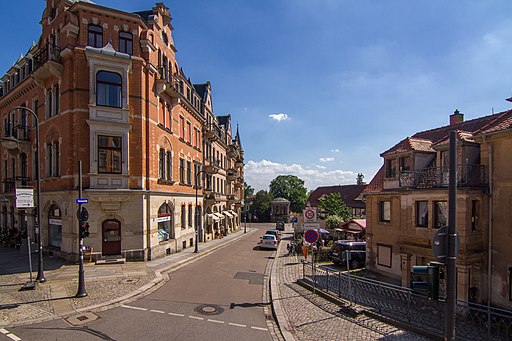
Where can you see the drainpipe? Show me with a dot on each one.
(148, 201)
(489, 246)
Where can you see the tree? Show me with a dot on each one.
(333, 221)
(333, 205)
(291, 188)
(261, 205)
(248, 190)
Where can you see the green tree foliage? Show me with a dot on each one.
(291, 188)
(248, 191)
(333, 221)
(261, 205)
(333, 205)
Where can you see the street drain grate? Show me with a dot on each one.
(209, 309)
(82, 318)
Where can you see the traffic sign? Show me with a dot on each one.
(295, 220)
(82, 200)
(309, 215)
(84, 215)
(311, 236)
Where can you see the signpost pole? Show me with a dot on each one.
(81, 277)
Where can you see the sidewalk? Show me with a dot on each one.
(105, 285)
(302, 315)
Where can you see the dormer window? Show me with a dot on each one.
(95, 36)
(390, 168)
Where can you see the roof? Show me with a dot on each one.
(360, 222)
(423, 141)
(349, 194)
(280, 200)
(377, 183)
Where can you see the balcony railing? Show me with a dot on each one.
(49, 52)
(10, 183)
(171, 79)
(467, 176)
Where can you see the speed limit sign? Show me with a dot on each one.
(309, 215)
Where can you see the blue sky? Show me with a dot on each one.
(321, 87)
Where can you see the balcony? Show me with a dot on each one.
(11, 183)
(467, 176)
(47, 63)
(233, 151)
(232, 174)
(213, 133)
(169, 83)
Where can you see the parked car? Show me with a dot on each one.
(280, 226)
(268, 241)
(357, 253)
(275, 233)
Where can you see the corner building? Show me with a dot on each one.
(107, 90)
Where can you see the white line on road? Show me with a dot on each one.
(215, 321)
(174, 314)
(196, 318)
(258, 328)
(13, 337)
(3, 331)
(157, 311)
(135, 308)
(237, 325)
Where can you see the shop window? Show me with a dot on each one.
(54, 226)
(165, 223)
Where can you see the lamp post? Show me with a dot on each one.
(10, 142)
(196, 246)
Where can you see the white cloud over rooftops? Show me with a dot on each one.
(279, 117)
(326, 159)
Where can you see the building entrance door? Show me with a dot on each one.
(111, 232)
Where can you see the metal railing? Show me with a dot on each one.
(48, 52)
(473, 321)
(467, 176)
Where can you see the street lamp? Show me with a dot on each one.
(10, 142)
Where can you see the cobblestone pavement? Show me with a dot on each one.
(307, 316)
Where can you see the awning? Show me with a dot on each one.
(227, 213)
(219, 215)
(233, 213)
(212, 217)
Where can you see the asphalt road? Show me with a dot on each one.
(219, 297)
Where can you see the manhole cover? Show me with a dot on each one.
(209, 309)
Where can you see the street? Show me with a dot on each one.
(216, 298)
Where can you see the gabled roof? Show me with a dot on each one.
(349, 194)
(360, 222)
(377, 183)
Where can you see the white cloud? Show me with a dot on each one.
(335, 150)
(259, 175)
(279, 117)
(326, 159)
(320, 167)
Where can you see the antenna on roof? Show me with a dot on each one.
(492, 110)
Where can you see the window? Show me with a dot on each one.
(95, 36)
(52, 159)
(182, 127)
(197, 176)
(161, 164)
(109, 154)
(126, 42)
(189, 171)
(182, 171)
(510, 284)
(183, 217)
(54, 226)
(384, 255)
(390, 168)
(165, 223)
(475, 212)
(197, 142)
(169, 166)
(385, 211)
(56, 96)
(189, 132)
(440, 214)
(405, 163)
(422, 213)
(190, 216)
(108, 89)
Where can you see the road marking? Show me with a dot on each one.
(174, 314)
(215, 321)
(237, 325)
(13, 337)
(258, 328)
(196, 318)
(135, 308)
(3, 331)
(157, 311)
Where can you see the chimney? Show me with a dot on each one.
(456, 118)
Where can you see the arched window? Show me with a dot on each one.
(54, 226)
(165, 223)
(95, 36)
(190, 216)
(126, 42)
(183, 217)
(108, 89)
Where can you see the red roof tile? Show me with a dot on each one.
(349, 193)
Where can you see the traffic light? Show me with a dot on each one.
(425, 280)
(84, 229)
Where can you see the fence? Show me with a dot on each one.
(473, 321)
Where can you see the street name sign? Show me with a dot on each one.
(82, 200)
